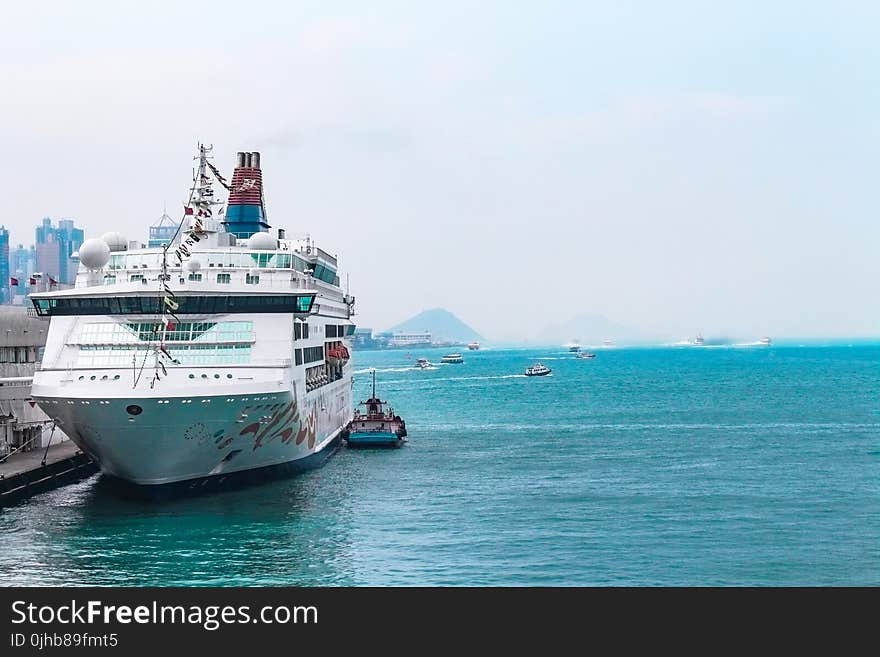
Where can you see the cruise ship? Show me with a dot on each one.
(221, 356)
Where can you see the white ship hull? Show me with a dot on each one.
(188, 438)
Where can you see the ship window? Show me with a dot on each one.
(305, 331)
(188, 355)
(298, 355)
(194, 277)
(252, 280)
(151, 305)
(224, 278)
(297, 331)
(331, 330)
(312, 354)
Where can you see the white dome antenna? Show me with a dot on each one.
(262, 242)
(94, 253)
(116, 241)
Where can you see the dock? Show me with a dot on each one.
(23, 474)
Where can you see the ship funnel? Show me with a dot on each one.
(245, 209)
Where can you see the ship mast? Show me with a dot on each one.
(201, 206)
(199, 209)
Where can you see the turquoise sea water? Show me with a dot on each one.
(666, 466)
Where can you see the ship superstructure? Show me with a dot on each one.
(224, 352)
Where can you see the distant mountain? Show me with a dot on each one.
(443, 325)
(590, 328)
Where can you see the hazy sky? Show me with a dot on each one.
(675, 166)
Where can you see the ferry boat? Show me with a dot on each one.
(452, 358)
(538, 370)
(221, 356)
(377, 427)
(473, 346)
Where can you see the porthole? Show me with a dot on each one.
(216, 376)
(228, 376)
(192, 376)
(133, 409)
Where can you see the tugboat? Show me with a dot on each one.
(377, 427)
(452, 358)
(538, 370)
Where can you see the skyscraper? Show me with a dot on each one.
(22, 260)
(70, 238)
(6, 291)
(54, 246)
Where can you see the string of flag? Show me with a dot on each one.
(197, 209)
(220, 179)
(195, 234)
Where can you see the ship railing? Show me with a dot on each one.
(277, 279)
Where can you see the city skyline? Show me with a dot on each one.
(48, 260)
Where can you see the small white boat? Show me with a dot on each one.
(473, 346)
(584, 354)
(699, 341)
(766, 341)
(452, 358)
(423, 364)
(538, 370)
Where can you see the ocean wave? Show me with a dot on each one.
(381, 370)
